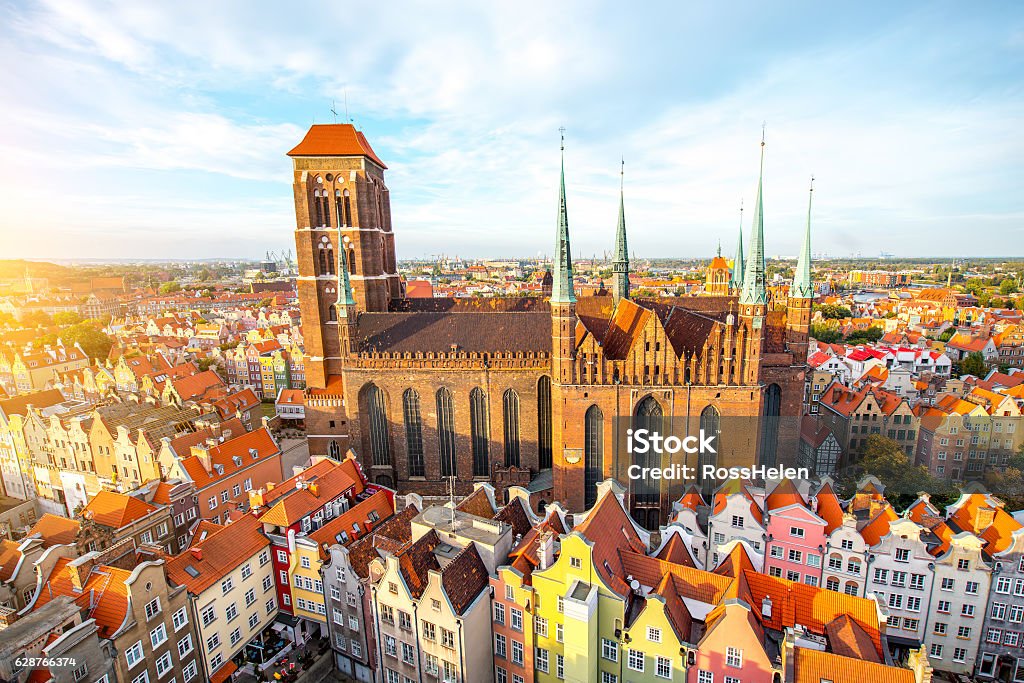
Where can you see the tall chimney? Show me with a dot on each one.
(546, 549)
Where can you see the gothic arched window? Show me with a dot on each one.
(446, 432)
(330, 260)
(413, 432)
(316, 208)
(323, 262)
(338, 209)
(710, 424)
(510, 404)
(593, 453)
(352, 261)
(348, 208)
(377, 419)
(544, 422)
(479, 432)
(770, 426)
(649, 416)
(332, 313)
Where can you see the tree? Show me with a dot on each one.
(826, 334)
(974, 364)
(93, 342)
(885, 459)
(170, 287)
(36, 319)
(833, 311)
(65, 318)
(1007, 286)
(872, 334)
(947, 334)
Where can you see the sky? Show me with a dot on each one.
(159, 130)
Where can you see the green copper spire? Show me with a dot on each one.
(345, 298)
(754, 287)
(561, 285)
(736, 281)
(803, 287)
(620, 263)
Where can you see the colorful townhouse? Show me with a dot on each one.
(230, 587)
(902, 574)
(309, 599)
(843, 566)
(224, 468)
(961, 589)
(795, 536)
(736, 514)
(348, 595)
(142, 617)
(1000, 656)
(302, 505)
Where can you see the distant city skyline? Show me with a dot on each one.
(160, 131)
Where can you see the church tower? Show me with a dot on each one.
(563, 298)
(736, 280)
(801, 295)
(753, 301)
(342, 220)
(620, 263)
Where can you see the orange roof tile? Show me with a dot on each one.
(611, 530)
(693, 583)
(104, 594)
(203, 565)
(783, 495)
(812, 607)
(10, 556)
(675, 550)
(224, 673)
(116, 510)
(813, 666)
(380, 504)
(335, 139)
(999, 534)
(875, 530)
(55, 530)
(225, 454)
(298, 503)
(691, 498)
(829, 508)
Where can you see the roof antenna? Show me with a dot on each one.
(451, 498)
(334, 110)
(347, 119)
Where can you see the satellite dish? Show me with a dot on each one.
(634, 584)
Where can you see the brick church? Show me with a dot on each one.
(518, 390)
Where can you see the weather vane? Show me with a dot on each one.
(562, 131)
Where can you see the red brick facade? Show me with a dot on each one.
(686, 353)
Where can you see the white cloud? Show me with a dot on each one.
(464, 101)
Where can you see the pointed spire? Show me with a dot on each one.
(561, 287)
(719, 247)
(803, 286)
(736, 283)
(754, 285)
(620, 262)
(345, 298)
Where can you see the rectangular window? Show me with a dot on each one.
(517, 618)
(635, 660)
(705, 676)
(158, 636)
(133, 655)
(609, 650)
(517, 652)
(180, 618)
(163, 664)
(541, 662)
(540, 626)
(653, 634)
(733, 657)
(152, 608)
(663, 667)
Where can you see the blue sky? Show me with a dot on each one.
(158, 130)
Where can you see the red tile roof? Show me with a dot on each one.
(224, 454)
(783, 495)
(55, 530)
(206, 562)
(116, 510)
(812, 666)
(335, 139)
(380, 504)
(10, 556)
(611, 530)
(104, 594)
(316, 491)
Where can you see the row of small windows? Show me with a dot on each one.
(412, 417)
(322, 210)
(326, 260)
